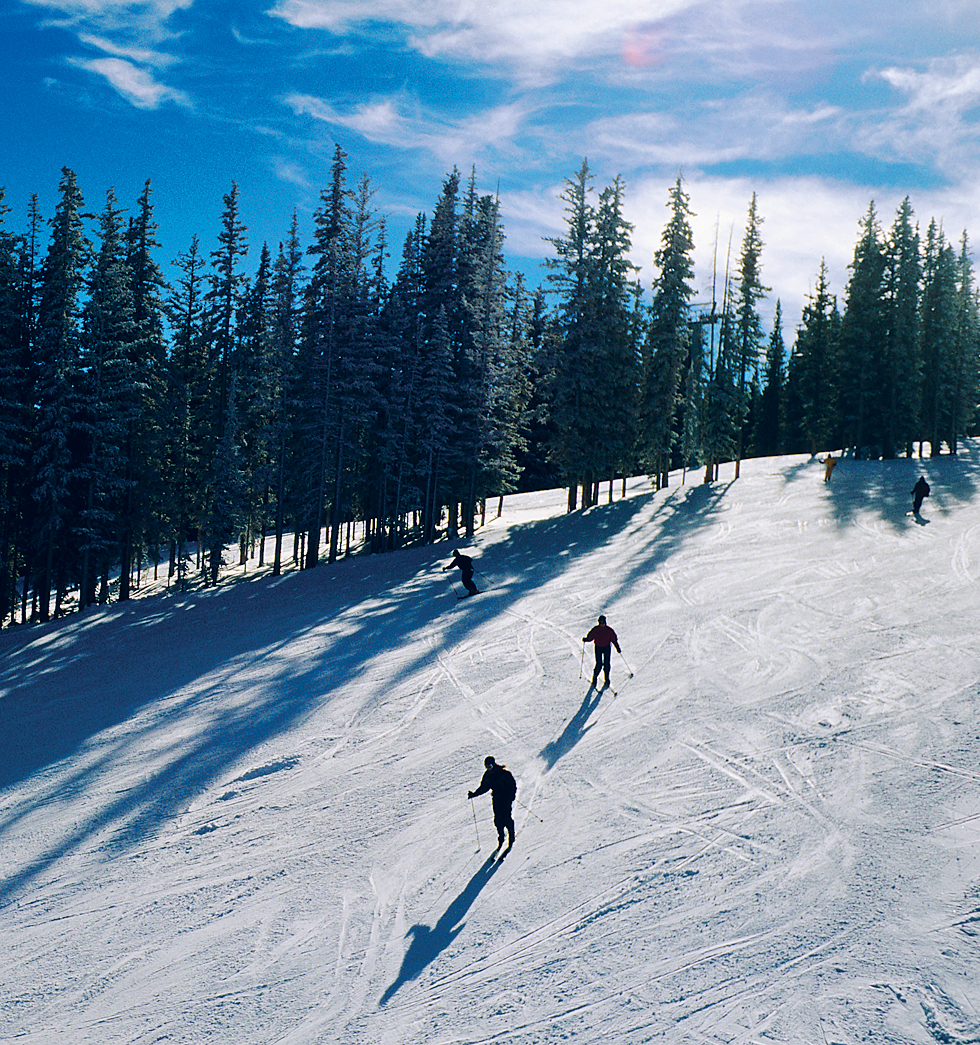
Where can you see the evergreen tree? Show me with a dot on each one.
(899, 380)
(287, 293)
(966, 349)
(596, 371)
(668, 343)
(144, 508)
(746, 340)
(190, 416)
(768, 440)
(863, 341)
(57, 359)
(941, 368)
(107, 405)
(811, 385)
(14, 410)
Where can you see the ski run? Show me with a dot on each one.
(241, 816)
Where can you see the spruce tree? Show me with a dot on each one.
(863, 341)
(57, 359)
(108, 404)
(938, 321)
(668, 341)
(746, 340)
(190, 417)
(899, 377)
(811, 383)
(768, 439)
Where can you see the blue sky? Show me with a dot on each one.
(818, 107)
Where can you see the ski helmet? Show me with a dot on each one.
(489, 761)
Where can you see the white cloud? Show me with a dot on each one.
(137, 54)
(142, 20)
(937, 124)
(540, 36)
(136, 85)
(452, 142)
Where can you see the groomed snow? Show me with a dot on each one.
(240, 816)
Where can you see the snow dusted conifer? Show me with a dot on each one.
(811, 383)
(57, 357)
(862, 338)
(108, 405)
(899, 380)
(939, 339)
(668, 333)
(768, 437)
(190, 418)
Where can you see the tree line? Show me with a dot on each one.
(152, 421)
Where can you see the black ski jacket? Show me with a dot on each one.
(501, 782)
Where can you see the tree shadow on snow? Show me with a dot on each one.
(148, 693)
(428, 943)
(884, 488)
(573, 732)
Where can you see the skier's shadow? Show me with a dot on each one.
(427, 944)
(573, 732)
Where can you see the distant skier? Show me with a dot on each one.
(604, 638)
(465, 564)
(829, 464)
(919, 491)
(500, 782)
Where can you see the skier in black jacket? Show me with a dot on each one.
(920, 490)
(465, 564)
(500, 782)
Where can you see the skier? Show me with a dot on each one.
(465, 564)
(604, 638)
(920, 490)
(829, 464)
(500, 782)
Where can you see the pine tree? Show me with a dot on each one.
(223, 301)
(899, 378)
(57, 357)
(189, 413)
(287, 294)
(668, 343)
(768, 440)
(596, 367)
(939, 340)
(14, 409)
(144, 510)
(966, 349)
(862, 340)
(811, 384)
(107, 405)
(746, 338)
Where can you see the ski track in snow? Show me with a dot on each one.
(242, 817)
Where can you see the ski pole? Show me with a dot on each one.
(627, 665)
(535, 815)
(475, 827)
(581, 666)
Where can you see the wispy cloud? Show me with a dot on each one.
(136, 85)
(142, 55)
(540, 37)
(121, 29)
(938, 122)
(383, 122)
(145, 19)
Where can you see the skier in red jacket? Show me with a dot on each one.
(604, 638)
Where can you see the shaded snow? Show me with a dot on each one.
(241, 815)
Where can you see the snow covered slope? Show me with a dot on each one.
(241, 816)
